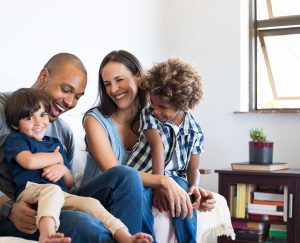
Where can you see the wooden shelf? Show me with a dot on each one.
(289, 178)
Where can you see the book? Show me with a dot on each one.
(250, 188)
(285, 203)
(244, 225)
(241, 201)
(253, 206)
(277, 233)
(265, 212)
(232, 200)
(278, 227)
(259, 167)
(262, 217)
(268, 196)
(277, 203)
(251, 235)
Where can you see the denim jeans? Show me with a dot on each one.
(80, 226)
(120, 191)
(148, 219)
(185, 229)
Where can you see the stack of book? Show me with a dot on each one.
(277, 233)
(252, 231)
(268, 206)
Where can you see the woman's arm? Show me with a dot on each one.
(98, 144)
(157, 150)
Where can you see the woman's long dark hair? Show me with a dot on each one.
(106, 105)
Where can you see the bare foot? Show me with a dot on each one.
(141, 238)
(55, 238)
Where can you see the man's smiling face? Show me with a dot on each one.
(64, 89)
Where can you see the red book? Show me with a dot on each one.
(265, 217)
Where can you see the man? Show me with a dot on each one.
(64, 79)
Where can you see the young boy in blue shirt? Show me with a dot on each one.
(39, 169)
(171, 139)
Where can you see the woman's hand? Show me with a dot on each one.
(207, 202)
(159, 200)
(178, 200)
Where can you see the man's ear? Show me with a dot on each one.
(42, 79)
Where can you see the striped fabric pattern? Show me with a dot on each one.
(189, 140)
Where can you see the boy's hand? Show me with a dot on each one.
(208, 201)
(195, 192)
(54, 172)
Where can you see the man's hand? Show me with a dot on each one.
(207, 202)
(54, 172)
(23, 216)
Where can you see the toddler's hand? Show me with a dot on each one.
(54, 172)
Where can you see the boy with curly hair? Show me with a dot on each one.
(171, 139)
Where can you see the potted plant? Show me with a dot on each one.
(260, 150)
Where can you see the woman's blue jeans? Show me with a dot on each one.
(119, 189)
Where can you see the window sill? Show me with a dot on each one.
(270, 111)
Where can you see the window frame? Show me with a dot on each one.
(260, 29)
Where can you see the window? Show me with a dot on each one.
(276, 84)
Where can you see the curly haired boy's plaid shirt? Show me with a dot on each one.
(189, 140)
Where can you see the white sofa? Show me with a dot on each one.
(210, 224)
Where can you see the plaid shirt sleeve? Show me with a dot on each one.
(148, 121)
(198, 145)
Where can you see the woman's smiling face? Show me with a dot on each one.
(120, 84)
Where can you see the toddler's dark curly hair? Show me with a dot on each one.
(176, 82)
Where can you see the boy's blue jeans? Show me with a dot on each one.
(185, 229)
(119, 189)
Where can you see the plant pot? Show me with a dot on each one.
(260, 152)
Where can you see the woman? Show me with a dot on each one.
(112, 130)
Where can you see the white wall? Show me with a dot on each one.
(33, 31)
(205, 32)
